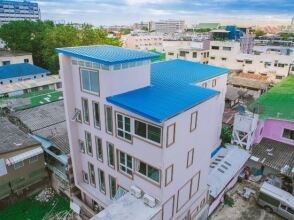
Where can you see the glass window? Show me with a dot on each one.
(33, 159)
(96, 114)
(215, 47)
(291, 211)
(82, 146)
(289, 134)
(91, 173)
(123, 127)
(18, 165)
(101, 177)
(110, 153)
(108, 116)
(26, 60)
(99, 149)
(90, 81)
(125, 163)
(85, 177)
(194, 54)
(214, 83)
(227, 48)
(148, 131)
(5, 63)
(105, 67)
(85, 110)
(112, 186)
(88, 140)
(148, 171)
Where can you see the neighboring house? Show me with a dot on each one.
(13, 73)
(225, 168)
(274, 136)
(22, 165)
(232, 97)
(46, 123)
(126, 127)
(52, 82)
(143, 41)
(14, 57)
(276, 63)
(189, 53)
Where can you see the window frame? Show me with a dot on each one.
(190, 159)
(125, 164)
(97, 140)
(291, 133)
(137, 171)
(214, 83)
(108, 156)
(19, 164)
(111, 178)
(167, 182)
(86, 112)
(194, 127)
(81, 82)
(146, 138)
(87, 142)
(107, 130)
(91, 178)
(85, 174)
(123, 130)
(98, 126)
(82, 150)
(101, 182)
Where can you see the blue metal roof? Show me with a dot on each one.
(172, 90)
(20, 70)
(106, 54)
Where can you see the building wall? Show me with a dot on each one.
(23, 177)
(16, 59)
(273, 129)
(143, 42)
(22, 78)
(274, 65)
(202, 56)
(158, 156)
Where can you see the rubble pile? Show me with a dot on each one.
(45, 195)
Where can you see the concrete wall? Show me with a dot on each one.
(22, 78)
(16, 59)
(273, 129)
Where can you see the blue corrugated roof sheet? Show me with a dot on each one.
(172, 90)
(19, 70)
(107, 54)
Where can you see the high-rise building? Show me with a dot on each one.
(169, 26)
(18, 10)
(141, 134)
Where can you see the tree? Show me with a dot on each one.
(41, 38)
(259, 33)
(226, 135)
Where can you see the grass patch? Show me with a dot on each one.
(31, 209)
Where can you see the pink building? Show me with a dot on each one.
(141, 127)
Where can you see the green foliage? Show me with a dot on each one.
(286, 35)
(226, 135)
(125, 31)
(42, 37)
(259, 33)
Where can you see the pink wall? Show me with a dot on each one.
(273, 129)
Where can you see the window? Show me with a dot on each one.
(123, 126)
(148, 171)
(108, 118)
(227, 48)
(82, 146)
(281, 65)
(5, 62)
(248, 61)
(215, 47)
(92, 174)
(291, 211)
(214, 83)
(183, 53)
(112, 186)
(194, 54)
(125, 163)
(99, 149)
(279, 77)
(85, 110)
(169, 174)
(110, 154)
(33, 159)
(96, 114)
(171, 130)
(77, 115)
(85, 177)
(289, 134)
(148, 131)
(90, 81)
(88, 140)
(193, 124)
(190, 157)
(204, 85)
(18, 165)
(170, 54)
(212, 58)
(26, 60)
(224, 59)
(101, 178)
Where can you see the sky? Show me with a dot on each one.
(125, 12)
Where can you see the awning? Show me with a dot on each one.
(224, 167)
(24, 156)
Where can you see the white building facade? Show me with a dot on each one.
(268, 62)
(117, 143)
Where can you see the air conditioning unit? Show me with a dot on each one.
(149, 200)
(135, 191)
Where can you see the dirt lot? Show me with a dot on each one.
(242, 209)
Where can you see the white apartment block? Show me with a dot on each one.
(168, 26)
(265, 61)
(143, 128)
(143, 41)
(14, 57)
(191, 54)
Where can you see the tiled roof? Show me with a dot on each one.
(172, 90)
(275, 155)
(20, 70)
(106, 54)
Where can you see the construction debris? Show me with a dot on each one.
(46, 195)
